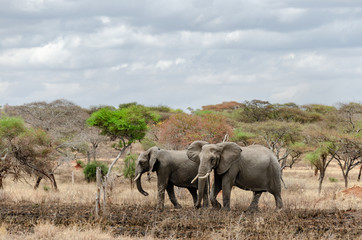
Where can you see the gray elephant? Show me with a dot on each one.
(173, 168)
(253, 168)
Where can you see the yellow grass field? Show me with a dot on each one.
(69, 213)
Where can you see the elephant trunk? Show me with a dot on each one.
(203, 173)
(201, 190)
(139, 185)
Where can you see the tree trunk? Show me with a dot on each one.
(359, 175)
(88, 157)
(115, 160)
(345, 176)
(54, 183)
(37, 182)
(345, 181)
(321, 177)
(94, 153)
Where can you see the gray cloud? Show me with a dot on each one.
(180, 53)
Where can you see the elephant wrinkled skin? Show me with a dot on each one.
(173, 168)
(253, 168)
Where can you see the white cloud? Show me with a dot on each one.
(121, 34)
(163, 65)
(60, 90)
(290, 93)
(179, 61)
(105, 19)
(50, 54)
(236, 50)
(31, 5)
(287, 15)
(4, 87)
(220, 79)
(119, 67)
(166, 64)
(311, 61)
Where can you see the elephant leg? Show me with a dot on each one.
(193, 192)
(253, 207)
(278, 201)
(171, 194)
(161, 196)
(226, 192)
(215, 189)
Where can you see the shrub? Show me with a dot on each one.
(130, 167)
(332, 179)
(80, 163)
(91, 169)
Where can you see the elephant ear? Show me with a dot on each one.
(194, 149)
(152, 157)
(230, 152)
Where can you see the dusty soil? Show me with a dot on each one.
(355, 190)
(139, 221)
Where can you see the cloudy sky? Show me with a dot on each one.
(180, 53)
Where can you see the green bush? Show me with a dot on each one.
(129, 165)
(332, 179)
(81, 163)
(91, 168)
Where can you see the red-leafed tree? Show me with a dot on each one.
(181, 129)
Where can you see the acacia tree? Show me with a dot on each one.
(320, 158)
(350, 115)
(296, 150)
(127, 125)
(256, 111)
(61, 119)
(347, 154)
(26, 150)
(321, 141)
(279, 136)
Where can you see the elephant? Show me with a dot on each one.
(253, 168)
(173, 168)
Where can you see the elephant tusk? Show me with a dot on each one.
(207, 174)
(138, 176)
(195, 178)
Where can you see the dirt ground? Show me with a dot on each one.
(355, 190)
(139, 221)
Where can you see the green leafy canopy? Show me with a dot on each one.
(11, 127)
(128, 124)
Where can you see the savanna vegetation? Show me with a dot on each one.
(318, 147)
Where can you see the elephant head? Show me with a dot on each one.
(218, 156)
(145, 163)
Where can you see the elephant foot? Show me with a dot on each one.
(278, 209)
(177, 206)
(216, 204)
(225, 208)
(160, 208)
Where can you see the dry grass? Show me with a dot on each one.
(301, 195)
